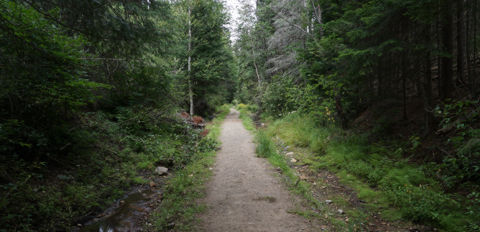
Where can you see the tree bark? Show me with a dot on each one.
(474, 40)
(467, 47)
(427, 87)
(189, 65)
(460, 40)
(404, 86)
(447, 47)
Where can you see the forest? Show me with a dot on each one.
(382, 94)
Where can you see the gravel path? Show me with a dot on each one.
(244, 194)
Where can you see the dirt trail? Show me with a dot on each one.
(244, 193)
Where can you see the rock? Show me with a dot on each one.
(287, 147)
(161, 170)
(79, 225)
(122, 202)
(328, 201)
(340, 211)
(170, 225)
(290, 153)
(152, 184)
(293, 160)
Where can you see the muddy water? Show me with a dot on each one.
(127, 214)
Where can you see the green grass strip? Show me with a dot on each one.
(179, 208)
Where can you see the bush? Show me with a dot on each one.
(281, 96)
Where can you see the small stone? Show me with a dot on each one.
(328, 201)
(290, 153)
(340, 211)
(170, 225)
(79, 225)
(122, 202)
(161, 170)
(287, 147)
(293, 160)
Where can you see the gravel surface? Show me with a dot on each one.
(244, 193)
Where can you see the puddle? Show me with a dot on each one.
(127, 214)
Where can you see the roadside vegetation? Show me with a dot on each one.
(118, 152)
(180, 205)
(382, 178)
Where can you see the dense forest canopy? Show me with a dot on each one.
(397, 70)
(64, 57)
(76, 75)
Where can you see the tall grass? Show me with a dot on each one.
(265, 147)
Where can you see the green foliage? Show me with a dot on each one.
(281, 96)
(380, 177)
(212, 63)
(42, 196)
(88, 90)
(246, 115)
(464, 164)
(179, 206)
(265, 147)
(44, 82)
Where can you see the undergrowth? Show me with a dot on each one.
(380, 175)
(114, 151)
(179, 206)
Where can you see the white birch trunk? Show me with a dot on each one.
(189, 68)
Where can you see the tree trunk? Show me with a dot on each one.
(460, 40)
(439, 58)
(474, 66)
(189, 65)
(467, 48)
(447, 42)
(427, 87)
(404, 86)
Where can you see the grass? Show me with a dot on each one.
(179, 206)
(388, 183)
(245, 116)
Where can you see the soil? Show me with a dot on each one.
(244, 193)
